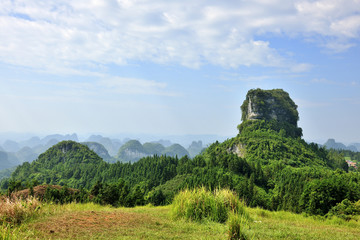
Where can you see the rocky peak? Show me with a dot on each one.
(273, 104)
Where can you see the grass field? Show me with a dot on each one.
(91, 221)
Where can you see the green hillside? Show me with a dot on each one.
(99, 149)
(131, 151)
(67, 162)
(267, 164)
(153, 148)
(175, 150)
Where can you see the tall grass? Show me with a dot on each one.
(14, 211)
(7, 232)
(220, 206)
(199, 204)
(238, 227)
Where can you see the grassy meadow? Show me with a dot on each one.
(92, 221)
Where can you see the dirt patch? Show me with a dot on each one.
(87, 224)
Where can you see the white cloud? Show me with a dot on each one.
(300, 67)
(122, 85)
(336, 20)
(64, 36)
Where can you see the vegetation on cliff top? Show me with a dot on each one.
(270, 103)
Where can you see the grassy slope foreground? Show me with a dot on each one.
(90, 221)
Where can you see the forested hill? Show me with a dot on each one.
(267, 164)
(67, 162)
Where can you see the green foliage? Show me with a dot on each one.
(335, 159)
(65, 195)
(277, 170)
(67, 163)
(199, 204)
(350, 154)
(265, 142)
(157, 198)
(168, 190)
(345, 210)
(283, 129)
(320, 195)
(113, 194)
(117, 194)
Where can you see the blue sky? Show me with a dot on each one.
(176, 67)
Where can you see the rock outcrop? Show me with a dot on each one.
(273, 104)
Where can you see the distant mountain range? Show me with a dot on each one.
(332, 144)
(133, 150)
(13, 153)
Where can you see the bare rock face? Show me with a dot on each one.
(273, 104)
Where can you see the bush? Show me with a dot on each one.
(345, 210)
(61, 195)
(157, 198)
(199, 204)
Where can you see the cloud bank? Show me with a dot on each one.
(84, 36)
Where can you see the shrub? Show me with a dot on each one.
(199, 204)
(345, 210)
(156, 198)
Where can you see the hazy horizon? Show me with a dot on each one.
(184, 140)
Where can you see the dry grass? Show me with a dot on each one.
(15, 210)
(39, 191)
(87, 224)
(123, 223)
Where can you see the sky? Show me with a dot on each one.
(176, 67)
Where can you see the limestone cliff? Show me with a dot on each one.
(264, 111)
(273, 104)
